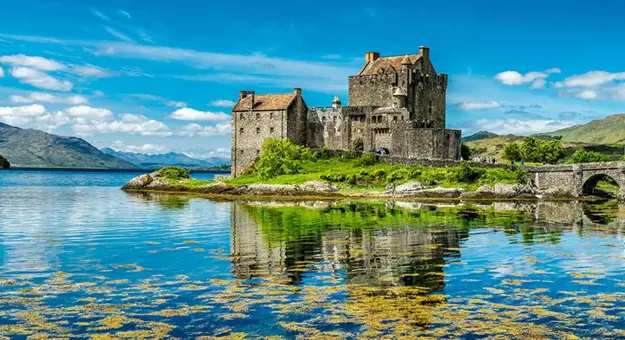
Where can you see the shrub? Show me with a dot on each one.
(466, 174)
(551, 151)
(399, 175)
(367, 159)
(322, 153)
(581, 155)
(334, 177)
(465, 152)
(512, 152)
(281, 157)
(4, 163)
(174, 173)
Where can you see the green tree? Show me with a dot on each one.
(582, 155)
(4, 163)
(465, 152)
(530, 149)
(512, 152)
(281, 157)
(551, 151)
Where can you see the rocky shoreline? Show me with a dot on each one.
(156, 182)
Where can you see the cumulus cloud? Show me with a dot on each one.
(191, 114)
(88, 113)
(128, 123)
(40, 97)
(587, 94)
(18, 115)
(40, 79)
(38, 63)
(193, 129)
(222, 103)
(590, 79)
(537, 79)
(478, 105)
(142, 148)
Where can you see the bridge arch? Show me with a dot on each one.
(590, 185)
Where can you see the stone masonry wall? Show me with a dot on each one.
(372, 90)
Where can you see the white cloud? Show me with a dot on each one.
(144, 36)
(128, 123)
(222, 103)
(587, 94)
(90, 71)
(40, 79)
(519, 127)
(98, 93)
(173, 103)
(478, 105)
(19, 115)
(49, 98)
(124, 14)
(51, 121)
(39, 63)
(99, 14)
(537, 79)
(144, 148)
(118, 34)
(88, 113)
(590, 79)
(191, 114)
(1, 73)
(193, 129)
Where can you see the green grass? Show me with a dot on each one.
(354, 178)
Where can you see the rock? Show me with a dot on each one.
(557, 193)
(439, 193)
(408, 187)
(319, 187)
(139, 182)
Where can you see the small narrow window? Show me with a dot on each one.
(257, 152)
(335, 119)
(240, 115)
(241, 130)
(257, 115)
(257, 130)
(394, 118)
(271, 129)
(270, 115)
(242, 151)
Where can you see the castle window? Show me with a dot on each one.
(270, 115)
(402, 118)
(242, 151)
(430, 109)
(257, 130)
(257, 115)
(323, 119)
(394, 118)
(240, 115)
(335, 119)
(271, 129)
(257, 152)
(241, 130)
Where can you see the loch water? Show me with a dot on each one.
(80, 258)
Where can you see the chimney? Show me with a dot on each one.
(297, 92)
(425, 52)
(243, 94)
(372, 56)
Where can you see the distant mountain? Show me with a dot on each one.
(478, 136)
(159, 160)
(38, 149)
(608, 130)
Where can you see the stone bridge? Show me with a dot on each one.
(577, 179)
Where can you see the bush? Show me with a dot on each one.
(322, 153)
(4, 163)
(334, 177)
(581, 155)
(367, 159)
(466, 174)
(174, 173)
(465, 152)
(512, 152)
(281, 157)
(551, 151)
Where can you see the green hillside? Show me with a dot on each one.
(608, 130)
(478, 136)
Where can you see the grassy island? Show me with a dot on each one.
(285, 163)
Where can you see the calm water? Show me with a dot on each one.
(79, 257)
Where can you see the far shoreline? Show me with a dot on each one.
(108, 170)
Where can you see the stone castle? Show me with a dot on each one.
(395, 102)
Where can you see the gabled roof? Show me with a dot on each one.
(385, 63)
(265, 102)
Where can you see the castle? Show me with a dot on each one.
(395, 102)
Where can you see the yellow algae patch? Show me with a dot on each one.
(233, 316)
(193, 287)
(134, 267)
(191, 242)
(171, 312)
(199, 250)
(152, 242)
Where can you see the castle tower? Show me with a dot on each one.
(336, 103)
(399, 98)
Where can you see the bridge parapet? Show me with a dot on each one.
(577, 179)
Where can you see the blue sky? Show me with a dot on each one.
(162, 77)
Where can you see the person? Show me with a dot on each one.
(522, 162)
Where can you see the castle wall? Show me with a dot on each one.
(250, 130)
(428, 102)
(372, 90)
(297, 121)
(326, 127)
(432, 144)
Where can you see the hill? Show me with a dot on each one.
(38, 149)
(478, 136)
(493, 147)
(608, 130)
(157, 161)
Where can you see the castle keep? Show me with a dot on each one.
(395, 102)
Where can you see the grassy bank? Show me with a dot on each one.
(284, 163)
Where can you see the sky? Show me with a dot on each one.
(162, 76)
